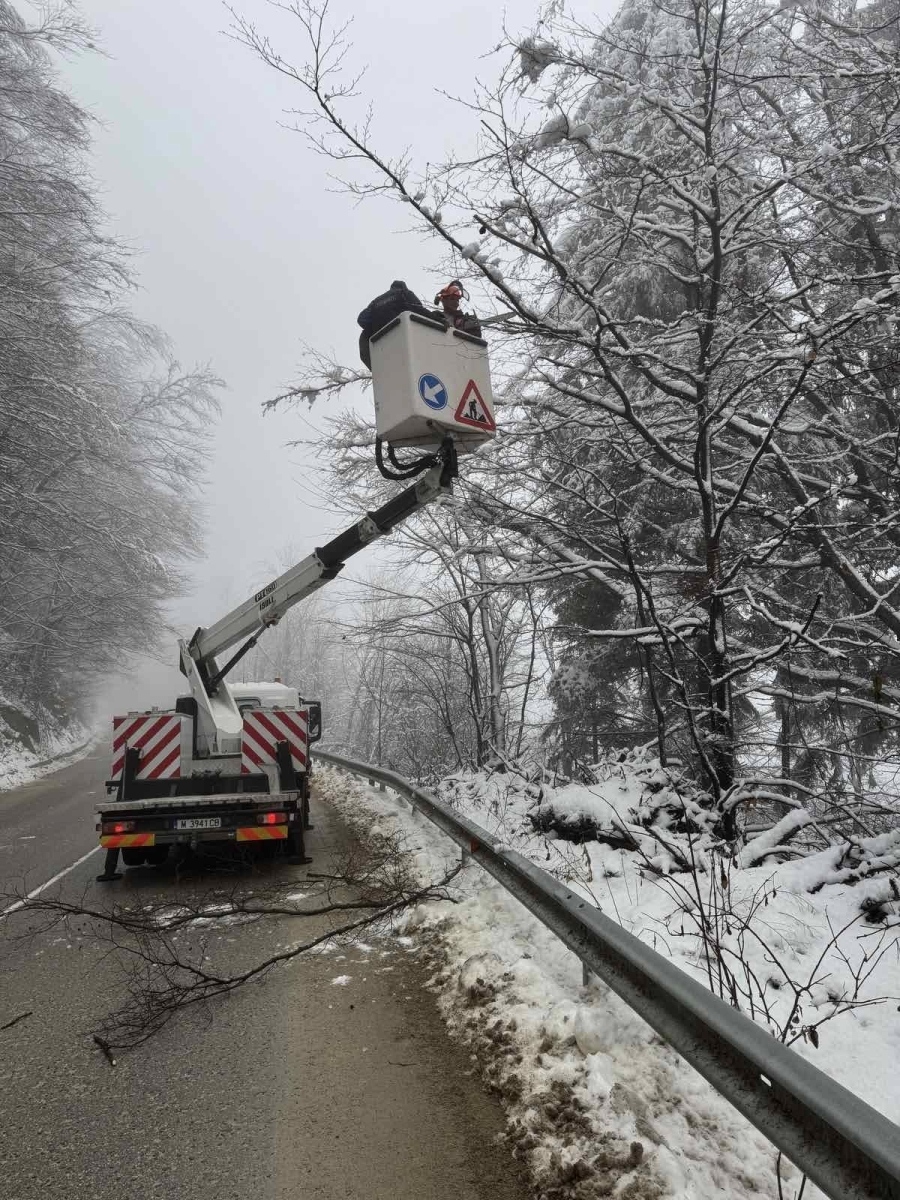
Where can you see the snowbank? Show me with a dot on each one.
(28, 749)
(595, 1101)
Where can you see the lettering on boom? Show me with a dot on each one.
(265, 592)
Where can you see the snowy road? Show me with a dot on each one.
(302, 1087)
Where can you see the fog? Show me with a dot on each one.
(243, 248)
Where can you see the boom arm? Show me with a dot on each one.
(269, 604)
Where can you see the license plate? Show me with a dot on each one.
(199, 823)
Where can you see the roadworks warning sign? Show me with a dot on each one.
(472, 410)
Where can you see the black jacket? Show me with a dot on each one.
(389, 304)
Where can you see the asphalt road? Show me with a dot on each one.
(46, 825)
(300, 1088)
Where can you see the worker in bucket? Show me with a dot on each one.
(449, 298)
(378, 312)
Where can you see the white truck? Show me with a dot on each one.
(229, 762)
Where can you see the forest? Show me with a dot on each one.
(98, 421)
(682, 546)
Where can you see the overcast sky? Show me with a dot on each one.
(243, 251)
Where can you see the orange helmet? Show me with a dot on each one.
(453, 288)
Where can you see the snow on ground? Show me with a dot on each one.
(596, 1102)
(19, 763)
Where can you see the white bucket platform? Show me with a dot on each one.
(430, 381)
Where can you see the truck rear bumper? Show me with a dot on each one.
(172, 837)
(189, 820)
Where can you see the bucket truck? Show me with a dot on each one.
(230, 763)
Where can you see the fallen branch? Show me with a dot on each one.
(163, 978)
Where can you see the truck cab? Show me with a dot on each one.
(264, 695)
(248, 696)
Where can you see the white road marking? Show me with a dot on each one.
(37, 891)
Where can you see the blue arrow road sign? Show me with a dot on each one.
(432, 391)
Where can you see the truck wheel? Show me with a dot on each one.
(304, 814)
(157, 855)
(134, 857)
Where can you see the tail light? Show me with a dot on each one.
(118, 826)
(272, 818)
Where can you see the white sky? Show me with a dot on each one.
(242, 251)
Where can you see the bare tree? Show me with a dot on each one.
(688, 218)
(101, 431)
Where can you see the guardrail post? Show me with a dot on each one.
(586, 974)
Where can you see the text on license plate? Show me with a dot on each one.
(198, 823)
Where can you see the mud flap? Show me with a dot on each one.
(287, 779)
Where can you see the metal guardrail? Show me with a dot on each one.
(847, 1148)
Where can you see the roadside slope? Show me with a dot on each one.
(596, 1102)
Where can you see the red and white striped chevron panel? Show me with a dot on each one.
(158, 736)
(264, 728)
